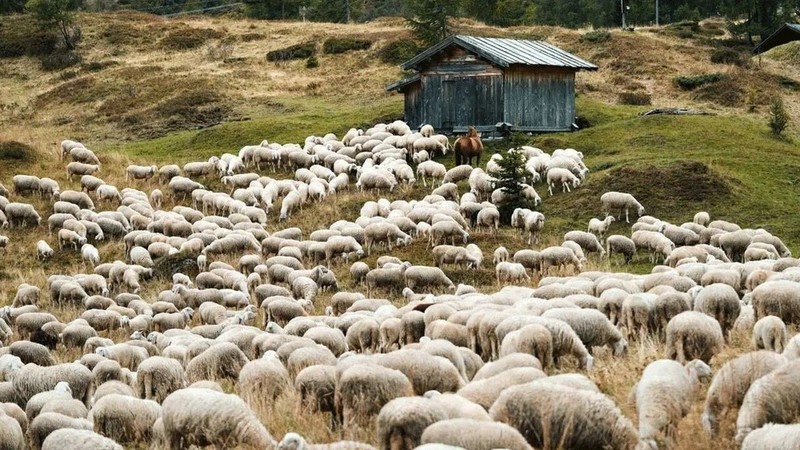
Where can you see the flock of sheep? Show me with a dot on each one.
(449, 366)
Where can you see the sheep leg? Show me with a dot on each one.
(626, 216)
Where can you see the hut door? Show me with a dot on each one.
(459, 102)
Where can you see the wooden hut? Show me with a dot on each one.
(788, 32)
(486, 82)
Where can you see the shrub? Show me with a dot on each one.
(778, 117)
(727, 56)
(299, 51)
(335, 46)
(19, 36)
(219, 52)
(60, 60)
(188, 38)
(312, 62)
(398, 52)
(596, 36)
(634, 98)
(16, 152)
(690, 82)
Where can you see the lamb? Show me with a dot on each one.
(773, 398)
(473, 434)
(593, 328)
(769, 333)
(196, 416)
(431, 169)
(564, 176)
(663, 396)
(731, 383)
(293, 441)
(125, 419)
(500, 255)
(693, 335)
(553, 416)
(78, 439)
(600, 227)
(511, 272)
(619, 201)
(426, 277)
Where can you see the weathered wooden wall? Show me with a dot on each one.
(458, 90)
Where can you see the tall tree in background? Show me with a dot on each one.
(59, 14)
(12, 6)
(428, 19)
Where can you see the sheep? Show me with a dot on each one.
(779, 298)
(440, 231)
(384, 232)
(78, 439)
(592, 327)
(701, 218)
(587, 241)
(183, 186)
(49, 188)
(473, 434)
(293, 441)
(362, 390)
(721, 302)
(125, 419)
(561, 176)
(196, 416)
(128, 356)
(773, 436)
(45, 424)
(32, 379)
(621, 244)
(134, 172)
(221, 361)
(731, 383)
(773, 398)
(600, 227)
(90, 254)
(553, 416)
(693, 335)
(619, 201)
(769, 333)
(511, 272)
(21, 214)
(426, 277)
(158, 377)
(558, 257)
(529, 221)
(402, 421)
(531, 339)
(663, 396)
(26, 295)
(431, 169)
(342, 245)
(25, 184)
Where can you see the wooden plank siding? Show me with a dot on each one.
(539, 100)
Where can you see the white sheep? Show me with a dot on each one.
(510, 272)
(90, 254)
(431, 169)
(619, 201)
(600, 227)
(773, 398)
(561, 176)
(769, 333)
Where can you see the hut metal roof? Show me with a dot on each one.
(505, 52)
(786, 33)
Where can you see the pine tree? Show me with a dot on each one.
(510, 179)
(778, 117)
(428, 19)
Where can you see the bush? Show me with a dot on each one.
(689, 82)
(398, 52)
(778, 117)
(188, 38)
(16, 152)
(596, 36)
(727, 56)
(60, 60)
(312, 62)
(634, 98)
(19, 37)
(334, 46)
(219, 52)
(299, 51)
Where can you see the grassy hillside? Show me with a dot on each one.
(151, 90)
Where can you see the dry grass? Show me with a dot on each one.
(129, 80)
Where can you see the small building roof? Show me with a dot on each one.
(505, 52)
(788, 32)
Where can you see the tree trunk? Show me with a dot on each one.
(65, 32)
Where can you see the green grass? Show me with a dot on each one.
(283, 120)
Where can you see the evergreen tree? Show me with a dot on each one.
(429, 19)
(59, 14)
(510, 179)
(778, 117)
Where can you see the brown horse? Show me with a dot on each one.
(467, 147)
